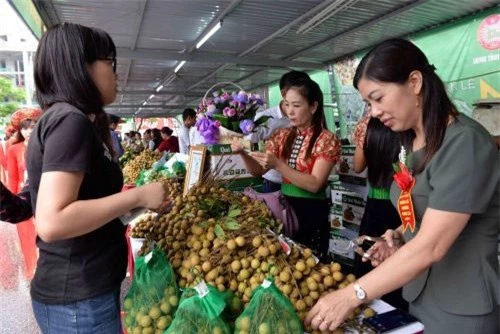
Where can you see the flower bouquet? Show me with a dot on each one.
(227, 115)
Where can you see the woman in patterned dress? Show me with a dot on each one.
(304, 154)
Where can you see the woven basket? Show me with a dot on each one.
(226, 135)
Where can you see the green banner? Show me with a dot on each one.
(29, 14)
(465, 53)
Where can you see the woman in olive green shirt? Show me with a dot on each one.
(448, 265)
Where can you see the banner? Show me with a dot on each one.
(466, 55)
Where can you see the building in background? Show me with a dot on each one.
(17, 52)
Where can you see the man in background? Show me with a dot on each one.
(189, 120)
(115, 138)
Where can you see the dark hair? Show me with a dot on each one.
(393, 61)
(312, 93)
(157, 139)
(131, 133)
(138, 133)
(113, 119)
(148, 131)
(188, 112)
(166, 130)
(61, 73)
(381, 149)
(290, 77)
(101, 125)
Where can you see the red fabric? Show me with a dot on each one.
(327, 147)
(23, 114)
(16, 166)
(3, 165)
(360, 132)
(27, 237)
(170, 145)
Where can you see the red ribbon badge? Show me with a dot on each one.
(405, 182)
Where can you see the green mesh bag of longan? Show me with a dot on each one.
(269, 312)
(153, 297)
(200, 312)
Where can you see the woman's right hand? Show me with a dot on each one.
(236, 146)
(381, 250)
(152, 196)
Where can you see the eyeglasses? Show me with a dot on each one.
(112, 60)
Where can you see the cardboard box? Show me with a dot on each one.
(337, 190)
(353, 208)
(346, 167)
(232, 167)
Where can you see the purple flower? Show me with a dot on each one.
(226, 96)
(217, 124)
(242, 106)
(247, 126)
(208, 129)
(224, 112)
(203, 124)
(215, 94)
(217, 100)
(233, 103)
(230, 112)
(242, 97)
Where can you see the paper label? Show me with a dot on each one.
(148, 257)
(266, 284)
(202, 289)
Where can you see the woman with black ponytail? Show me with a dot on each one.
(305, 155)
(446, 190)
(377, 148)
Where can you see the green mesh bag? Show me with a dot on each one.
(200, 312)
(234, 306)
(269, 312)
(153, 297)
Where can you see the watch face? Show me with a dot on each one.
(360, 293)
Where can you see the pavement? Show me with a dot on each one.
(16, 314)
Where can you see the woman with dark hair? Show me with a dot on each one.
(377, 148)
(23, 121)
(305, 155)
(448, 263)
(75, 185)
(170, 143)
(156, 139)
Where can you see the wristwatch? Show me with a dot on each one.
(360, 293)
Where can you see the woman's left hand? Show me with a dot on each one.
(266, 160)
(332, 309)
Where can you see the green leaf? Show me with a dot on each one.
(232, 225)
(262, 120)
(396, 167)
(219, 232)
(234, 213)
(224, 121)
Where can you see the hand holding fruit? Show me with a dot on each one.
(152, 196)
(236, 146)
(266, 160)
(332, 309)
